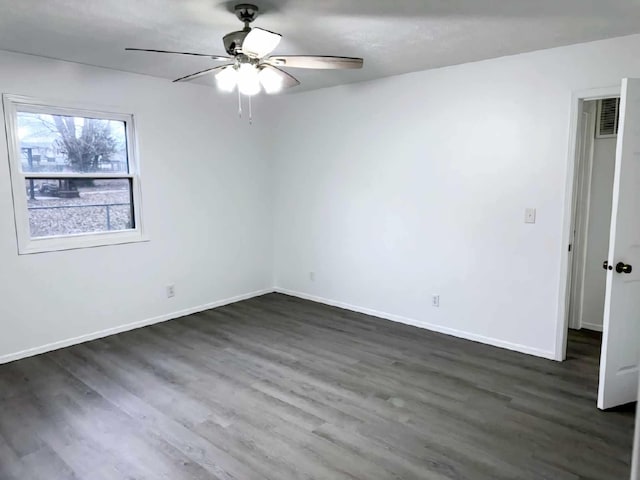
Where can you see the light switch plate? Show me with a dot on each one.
(530, 215)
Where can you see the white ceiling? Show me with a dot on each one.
(393, 36)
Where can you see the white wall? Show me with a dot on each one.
(206, 194)
(412, 185)
(604, 158)
(389, 191)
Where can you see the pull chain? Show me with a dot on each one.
(240, 108)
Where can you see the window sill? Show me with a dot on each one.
(76, 242)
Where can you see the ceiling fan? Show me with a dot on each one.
(250, 66)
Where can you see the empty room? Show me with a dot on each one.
(330, 240)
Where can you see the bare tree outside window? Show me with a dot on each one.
(86, 146)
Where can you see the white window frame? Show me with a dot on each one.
(27, 245)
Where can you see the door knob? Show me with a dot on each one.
(622, 267)
(606, 265)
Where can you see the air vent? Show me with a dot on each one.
(608, 114)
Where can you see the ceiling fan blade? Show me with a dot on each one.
(315, 61)
(214, 57)
(193, 76)
(287, 80)
(259, 43)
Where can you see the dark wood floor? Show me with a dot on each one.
(280, 388)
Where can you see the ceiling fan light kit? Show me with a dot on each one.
(249, 79)
(251, 69)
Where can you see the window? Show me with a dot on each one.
(74, 176)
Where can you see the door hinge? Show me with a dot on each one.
(569, 247)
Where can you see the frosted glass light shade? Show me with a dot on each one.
(271, 81)
(227, 79)
(260, 43)
(248, 80)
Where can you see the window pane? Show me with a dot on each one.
(57, 143)
(71, 206)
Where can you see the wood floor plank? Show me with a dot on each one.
(281, 388)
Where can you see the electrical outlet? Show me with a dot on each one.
(435, 301)
(171, 291)
(312, 276)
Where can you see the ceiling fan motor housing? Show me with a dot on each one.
(233, 41)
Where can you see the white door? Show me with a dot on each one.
(621, 338)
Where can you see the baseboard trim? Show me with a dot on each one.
(131, 326)
(220, 303)
(420, 324)
(591, 326)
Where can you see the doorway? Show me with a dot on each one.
(595, 168)
(620, 352)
